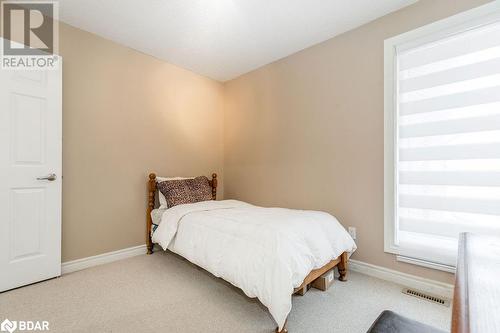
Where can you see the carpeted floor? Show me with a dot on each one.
(164, 293)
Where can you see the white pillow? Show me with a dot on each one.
(161, 197)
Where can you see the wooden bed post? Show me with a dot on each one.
(151, 206)
(343, 266)
(213, 183)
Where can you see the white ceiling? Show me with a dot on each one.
(222, 39)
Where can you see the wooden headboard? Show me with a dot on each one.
(152, 190)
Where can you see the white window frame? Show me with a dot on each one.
(483, 15)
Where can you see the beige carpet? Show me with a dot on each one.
(164, 293)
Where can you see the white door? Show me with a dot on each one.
(30, 150)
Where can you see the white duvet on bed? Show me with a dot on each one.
(267, 252)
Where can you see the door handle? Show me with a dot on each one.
(50, 177)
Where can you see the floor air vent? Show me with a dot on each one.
(427, 297)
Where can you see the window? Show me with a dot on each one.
(442, 136)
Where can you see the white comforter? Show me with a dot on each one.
(267, 252)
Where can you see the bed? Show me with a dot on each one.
(275, 252)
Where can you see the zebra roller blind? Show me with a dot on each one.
(448, 141)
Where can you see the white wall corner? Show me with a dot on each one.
(407, 280)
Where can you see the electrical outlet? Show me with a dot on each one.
(352, 232)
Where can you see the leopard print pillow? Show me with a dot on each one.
(183, 191)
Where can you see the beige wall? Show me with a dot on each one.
(126, 114)
(303, 132)
(307, 131)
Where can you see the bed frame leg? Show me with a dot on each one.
(302, 291)
(150, 248)
(343, 266)
(284, 330)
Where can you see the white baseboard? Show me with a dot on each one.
(407, 280)
(79, 264)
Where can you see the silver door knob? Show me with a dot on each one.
(50, 177)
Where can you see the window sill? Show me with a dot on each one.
(427, 264)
